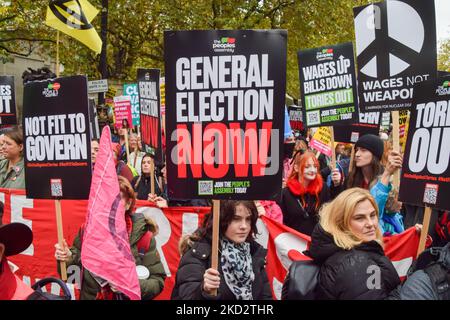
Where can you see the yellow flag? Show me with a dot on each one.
(73, 17)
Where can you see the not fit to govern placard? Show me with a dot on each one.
(56, 138)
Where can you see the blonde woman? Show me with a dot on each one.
(347, 244)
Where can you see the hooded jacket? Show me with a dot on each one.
(361, 273)
(151, 286)
(194, 263)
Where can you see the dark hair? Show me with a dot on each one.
(15, 133)
(127, 189)
(356, 177)
(147, 155)
(227, 211)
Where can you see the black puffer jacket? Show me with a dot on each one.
(349, 274)
(194, 263)
(299, 217)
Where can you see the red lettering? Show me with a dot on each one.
(248, 147)
(214, 145)
(189, 152)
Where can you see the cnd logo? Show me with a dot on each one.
(380, 27)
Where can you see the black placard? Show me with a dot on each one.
(150, 109)
(396, 48)
(328, 85)
(225, 93)
(57, 145)
(425, 177)
(369, 123)
(7, 101)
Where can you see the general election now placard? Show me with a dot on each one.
(7, 101)
(149, 103)
(425, 177)
(396, 48)
(328, 85)
(57, 148)
(225, 94)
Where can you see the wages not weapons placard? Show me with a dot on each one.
(425, 177)
(7, 101)
(57, 146)
(149, 102)
(396, 48)
(328, 85)
(225, 113)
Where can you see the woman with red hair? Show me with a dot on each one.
(304, 194)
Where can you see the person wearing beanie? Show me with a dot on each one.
(368, 173)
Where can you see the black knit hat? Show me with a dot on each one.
(372, 143)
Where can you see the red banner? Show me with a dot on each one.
(284, 244)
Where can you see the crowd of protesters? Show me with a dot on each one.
(346, 210)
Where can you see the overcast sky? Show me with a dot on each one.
(442, 19)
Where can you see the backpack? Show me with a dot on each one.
(433, 262)
(38, 294)
(301, 281)
(442, 226)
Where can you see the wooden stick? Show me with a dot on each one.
(396, 144)
(126, 145)
(352, 157)
(135, 157)
(333, 151)
(215, 238)
(152, 176)
(424, 232)
(57, 54)
(59, 226)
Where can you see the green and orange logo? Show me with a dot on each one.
(54, 86)
(325, 54)
(228, 40)
(444, 89)
(224, 44)
(51, 90)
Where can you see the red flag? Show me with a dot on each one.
(106, 248)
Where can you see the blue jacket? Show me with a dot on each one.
(390, 223)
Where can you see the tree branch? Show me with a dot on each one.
(8, 18)
(26, 39)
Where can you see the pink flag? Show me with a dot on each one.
(106, 248)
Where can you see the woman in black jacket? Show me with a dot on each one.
(141, 184)
(348, 246)
(304, 194)
(241, 274)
